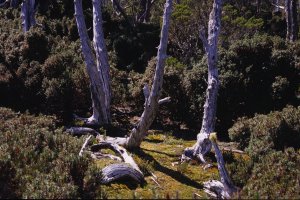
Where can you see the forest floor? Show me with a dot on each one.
(159, 158)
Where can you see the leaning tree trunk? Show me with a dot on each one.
(98, 73)
(224, 189)
(203, 144)
(152, 100)
(128, 169)
(291, 20)
(28, 14)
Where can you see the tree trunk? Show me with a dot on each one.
(225, 188)
(28, 14)
(152, 101)
(203, 144)
(291, 20)
(98, 73)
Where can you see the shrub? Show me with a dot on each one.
(264, 133)
(39, 160)
(276, 175)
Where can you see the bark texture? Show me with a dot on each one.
(203, 144)
(28, 14)
(291, 20)
(98, 71)
(152, 98)
(113, 172)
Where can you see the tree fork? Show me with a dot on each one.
(210, 44)
(152, 99)
(98, 71)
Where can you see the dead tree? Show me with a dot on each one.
(98, 71)
(152, 99)
(291, 20)
(223, 189)
(203, 144)
(152, 102)
(28, 14)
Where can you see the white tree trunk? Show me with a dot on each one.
(203, 144)
(224, 189)
(98, 73)
(291, 20)
(28, 14)
(152, 101)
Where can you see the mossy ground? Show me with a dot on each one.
(157, 156)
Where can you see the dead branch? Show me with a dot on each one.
(78, 131)
(84, 145)
(164, 100)
(119, 171)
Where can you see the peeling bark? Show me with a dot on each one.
(152, 100)
(203, 144)
(98, 72)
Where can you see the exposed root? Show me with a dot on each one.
(198, 151)
(90, 121)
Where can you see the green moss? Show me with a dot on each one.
(156, 156)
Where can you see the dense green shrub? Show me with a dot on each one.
(264, 133)
(39, 160)
(272, 143)
(133, 48)
(276, 175)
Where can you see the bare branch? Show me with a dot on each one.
(78, 131)
(146, 92)
(84, 145)
(278, 6)
(164, 100)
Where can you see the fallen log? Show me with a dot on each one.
(119, 171)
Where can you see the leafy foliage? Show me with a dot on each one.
(39, 160)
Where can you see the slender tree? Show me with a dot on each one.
(291, 20)
(152, 99)
(98, 71)
(28, 14)
(223, 189)
(203, 144)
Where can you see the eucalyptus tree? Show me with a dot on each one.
(210, 43)
(100, 89)
(97, 68)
